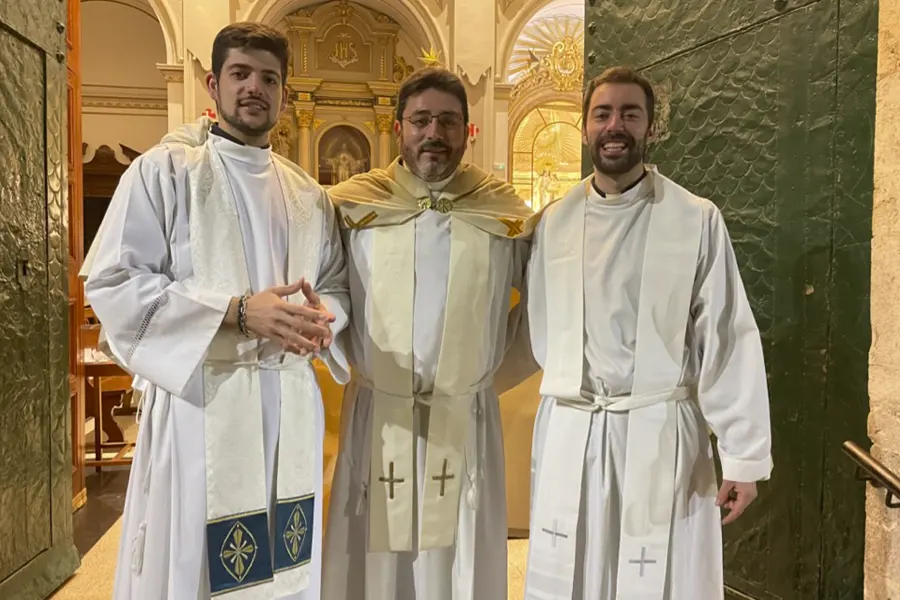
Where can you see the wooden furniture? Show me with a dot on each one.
(101, 177)
(106, 384)
(97, 369)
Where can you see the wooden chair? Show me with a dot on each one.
(106, 387)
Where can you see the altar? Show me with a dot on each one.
(347, 66)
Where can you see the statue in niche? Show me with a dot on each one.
(343, 152)
(546, 186)
(282, 137)
(344, 166)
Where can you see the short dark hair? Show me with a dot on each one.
(433, 78)
(619, 75)
(253, 36)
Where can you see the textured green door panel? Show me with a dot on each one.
(36, 549)
(653, 30)
(767, 109)
(24, 490)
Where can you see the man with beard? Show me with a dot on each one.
(639, 318)
(418, 505)
(218, 274)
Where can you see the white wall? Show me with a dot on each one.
(123, 93)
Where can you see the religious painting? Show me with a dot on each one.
(547, 153)
(344, 152)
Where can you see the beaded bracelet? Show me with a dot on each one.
(242, 316)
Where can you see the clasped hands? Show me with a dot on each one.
(301, 329)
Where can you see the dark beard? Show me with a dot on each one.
(634, 154)
(238, 125)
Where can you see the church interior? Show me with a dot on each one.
(784, 113)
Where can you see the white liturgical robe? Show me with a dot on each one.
(443, 265)
(639, 317)
(224, 497)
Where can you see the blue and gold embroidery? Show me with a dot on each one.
(294, 520)
(238, 552)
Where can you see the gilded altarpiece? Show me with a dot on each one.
(545, 113)
(344, 76)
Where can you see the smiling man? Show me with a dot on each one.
(217, 273)
(640, 320)
(435, 246)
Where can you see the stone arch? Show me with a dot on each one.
(411, 15)
(170, 25)
(162, 12)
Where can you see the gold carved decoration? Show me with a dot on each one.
(282, 136)
(304, 118)
(546, 153)
(344, 52)
(318, 123)
(370, 125)
(548, 55)
(402, 69)
(339, 102)
(345, 11)
(385, 123)
(431, 57)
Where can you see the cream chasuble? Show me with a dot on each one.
(387, 202)
(649, 483)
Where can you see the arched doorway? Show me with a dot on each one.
(547, 153)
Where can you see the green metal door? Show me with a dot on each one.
(767, 108)
(36, 548)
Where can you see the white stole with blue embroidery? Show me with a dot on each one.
(245, 561)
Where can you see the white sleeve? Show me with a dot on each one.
(333, 288)
(732, 386)
(157, 328)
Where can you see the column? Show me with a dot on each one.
(384, 123)
(385, 94)
(174, 76)
(304, 125)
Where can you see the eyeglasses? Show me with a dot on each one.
(445, 120)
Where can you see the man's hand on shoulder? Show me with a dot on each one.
(735, 497)
(299, 329)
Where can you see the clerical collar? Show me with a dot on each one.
(222, 133)
(639, 190)
(234, 149)
(623, 192)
